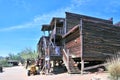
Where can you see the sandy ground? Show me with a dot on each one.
(20, 73)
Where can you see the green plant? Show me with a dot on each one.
(113, 67)
(28, 53)
(4, 63)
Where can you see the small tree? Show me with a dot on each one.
(28, 53)
(14, 57)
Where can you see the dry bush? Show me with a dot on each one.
(113, 67)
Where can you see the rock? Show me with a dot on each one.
(100, 70)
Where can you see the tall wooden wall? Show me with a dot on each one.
(101, 39)
(73, 43)
(74, 19)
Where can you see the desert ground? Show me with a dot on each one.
(20, 73)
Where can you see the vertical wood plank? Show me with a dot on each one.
(81, 48)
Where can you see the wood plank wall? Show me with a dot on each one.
(74, 19)
(101, 39)
(74, 47)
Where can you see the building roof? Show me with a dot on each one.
(58, 20)
(45, 27)
(78, 16)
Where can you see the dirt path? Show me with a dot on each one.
(19, 73)
(13, 73)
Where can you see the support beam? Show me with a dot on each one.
(54, 30)
(95, 66)
(81, 48)
(44, 33)
(68, 59)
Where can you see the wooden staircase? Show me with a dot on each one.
(73, 69)
(70, 63)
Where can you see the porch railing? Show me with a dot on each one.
(58, 31)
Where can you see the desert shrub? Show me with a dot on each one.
(113, 67)
(7, 65)
(4, 63)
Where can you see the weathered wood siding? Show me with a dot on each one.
(101, 39)
(74, 19)
(74, 47)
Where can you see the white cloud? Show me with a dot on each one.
(59, 13)
(113, 6)
(30, 39)
(45, 18)
(115, 3)
(77, 3)
(21, 3)
(27, 25)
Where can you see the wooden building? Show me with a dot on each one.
(54, 39)
(100, 37)
(82, 39)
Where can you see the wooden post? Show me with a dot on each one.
(48, 33)
(49, 59)
(44, 33)
(54, 30)
(68, 58)
(81, 48)
(65, 28)
(44, 49)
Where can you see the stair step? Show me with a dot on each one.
(74, 72)
(72, 68)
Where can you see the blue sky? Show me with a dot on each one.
(21, 20)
